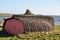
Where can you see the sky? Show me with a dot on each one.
(44, 7)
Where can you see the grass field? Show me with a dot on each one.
(55, 35)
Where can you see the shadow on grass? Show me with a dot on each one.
(5, 34)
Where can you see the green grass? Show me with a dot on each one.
(57, 28)
(55, 35)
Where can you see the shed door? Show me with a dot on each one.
(14, 26)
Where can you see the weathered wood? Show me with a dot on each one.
(36, 23)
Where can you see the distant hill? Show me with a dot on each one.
(5, 15)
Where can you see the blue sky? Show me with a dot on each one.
(44, 7)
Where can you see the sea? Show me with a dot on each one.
(56, 19)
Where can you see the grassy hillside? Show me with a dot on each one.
(57, 28)
(55, 35)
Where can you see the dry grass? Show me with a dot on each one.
(55, 35)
